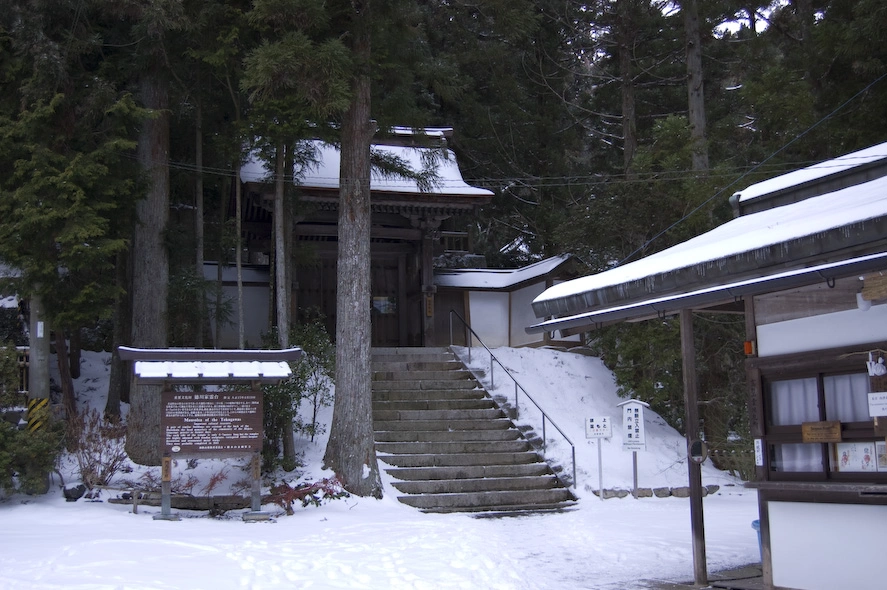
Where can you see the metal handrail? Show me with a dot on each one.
(469, 332)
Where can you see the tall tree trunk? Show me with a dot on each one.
(238, 224)
(150, 267)
(119, 378)
(221, 258)
(695, 89)
(74, 352)
(350, 451)
(626, 38)
(280, 259)
(69, 402)
(282, 283)
(198, 222)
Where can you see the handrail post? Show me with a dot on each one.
(492, 386)
(516, 403)
(451, 327)
(543, 433)
(574, 466)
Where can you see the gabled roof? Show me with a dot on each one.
(833, 233)
(498, 279)
(324, 172)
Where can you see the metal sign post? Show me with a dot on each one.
(599, 427)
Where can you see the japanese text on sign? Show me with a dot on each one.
(598, 427)
(633, 436)
(217, 422)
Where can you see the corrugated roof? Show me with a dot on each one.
(815, 172)
(486, 278)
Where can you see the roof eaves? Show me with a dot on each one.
(864, 236)
(713, 294)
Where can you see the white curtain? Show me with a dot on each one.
(795, 401)
(846, 397)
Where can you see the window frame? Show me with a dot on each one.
(818, 364)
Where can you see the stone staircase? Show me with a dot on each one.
(449, 445)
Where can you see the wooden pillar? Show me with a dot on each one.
(403, 316)
(691, 419)
(428, 288)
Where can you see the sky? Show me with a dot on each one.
(48, 543)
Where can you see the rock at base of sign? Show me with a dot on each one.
(682, 492)
(645, 493)
(662, 492)
(712, 489)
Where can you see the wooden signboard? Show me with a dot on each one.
(200, 422)
(821, 432)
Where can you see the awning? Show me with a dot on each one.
(714, 295)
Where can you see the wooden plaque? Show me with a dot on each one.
(821, 432)
(211, 422)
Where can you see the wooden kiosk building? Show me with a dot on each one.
(806, 260)
(411, 224)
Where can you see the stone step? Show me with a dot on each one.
(453, 447)
(446, 435)
(470, 471)
(459, 459)
(489, 500)
(448, 445)
(409, 351)
(404, 366)
(415, 376)
(505, 509)
(433, 404)
(488, 414)
(486, 484)
(428, 385)
(437, 394)
(499, 423)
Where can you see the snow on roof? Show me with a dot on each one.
(485, 278)
(744, 234)
(324, 173)
(212, 369)
(814, 172)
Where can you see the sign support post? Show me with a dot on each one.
(634, 438)
(599, 427)
(166, 490)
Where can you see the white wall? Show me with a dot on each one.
(488, 316)
(832, 330)
(827, 546)
(522, 315)
(255, 304)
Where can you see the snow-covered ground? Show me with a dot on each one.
(48, 543)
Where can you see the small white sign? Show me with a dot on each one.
(598, 427)
(759, 453)
(878, 404)
(633, 435)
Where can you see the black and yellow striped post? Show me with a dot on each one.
(38, 410)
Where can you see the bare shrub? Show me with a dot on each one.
(97, 445)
